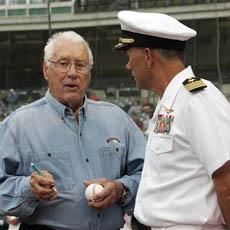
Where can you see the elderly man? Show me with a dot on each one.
(71, 142)
(185, 183)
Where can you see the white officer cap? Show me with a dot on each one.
(153, 30)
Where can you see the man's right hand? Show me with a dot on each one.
(43, 186)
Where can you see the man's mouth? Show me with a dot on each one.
(71, 86)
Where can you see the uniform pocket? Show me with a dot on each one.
(161, 144)
(59, 164)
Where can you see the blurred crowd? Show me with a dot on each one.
(139, 109)
(12, 99)
(141, 112)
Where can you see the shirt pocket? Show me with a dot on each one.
(112, 160)
(160, 144)
(59, 164)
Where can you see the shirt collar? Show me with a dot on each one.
(174, 86)
(61, 109)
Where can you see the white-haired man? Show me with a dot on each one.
(185, 183)
(71, 142)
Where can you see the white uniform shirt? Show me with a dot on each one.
(181, 154)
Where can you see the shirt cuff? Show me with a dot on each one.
(129, 195)
(30, 200)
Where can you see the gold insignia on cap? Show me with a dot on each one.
(119, 45)
(194, 84)
(126, 40)
(124, 43)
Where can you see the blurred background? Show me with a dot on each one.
(25, 26)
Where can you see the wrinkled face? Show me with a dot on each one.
(68, 87)
(137, 64)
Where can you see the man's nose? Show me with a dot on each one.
(72, 70)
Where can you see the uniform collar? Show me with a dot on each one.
(62, 110)
(173, 87)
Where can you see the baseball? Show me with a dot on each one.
(92, 190)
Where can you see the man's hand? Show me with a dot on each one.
(221, 180)
(43, 186)
(112, 193)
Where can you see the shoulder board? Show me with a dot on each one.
(194, 84)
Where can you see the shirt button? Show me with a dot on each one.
(98, 215)
(87, 160)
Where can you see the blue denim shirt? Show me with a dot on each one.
(46, 133)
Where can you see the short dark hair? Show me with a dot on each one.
(170, 53)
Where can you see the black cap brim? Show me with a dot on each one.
(130, 39)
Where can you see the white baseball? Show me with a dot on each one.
(92, 190)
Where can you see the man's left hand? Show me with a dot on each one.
(112, 193)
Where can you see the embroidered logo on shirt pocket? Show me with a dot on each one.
(160, 144)
(59, 165)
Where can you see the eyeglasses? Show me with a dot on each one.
(64, 66)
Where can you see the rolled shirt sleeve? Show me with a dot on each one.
(134, 165)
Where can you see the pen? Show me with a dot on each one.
(39, 172)
(36, 169)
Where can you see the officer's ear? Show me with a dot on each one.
(150, 56)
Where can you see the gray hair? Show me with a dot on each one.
(49, 48)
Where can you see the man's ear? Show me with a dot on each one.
(45, 69)
(149, 54)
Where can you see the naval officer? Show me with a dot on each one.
(185, 182)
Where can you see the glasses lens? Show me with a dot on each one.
(62, 66)
(81, 68)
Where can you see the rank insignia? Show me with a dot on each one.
(169, 110)
(164, 123)
(194, 84)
